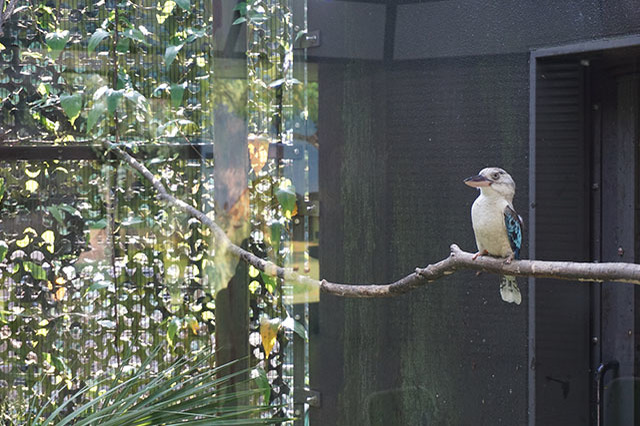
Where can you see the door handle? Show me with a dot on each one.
(601, 371)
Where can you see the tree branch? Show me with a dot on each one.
(457, 259)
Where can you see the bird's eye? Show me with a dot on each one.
(496, 176)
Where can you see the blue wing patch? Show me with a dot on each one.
(513, 222)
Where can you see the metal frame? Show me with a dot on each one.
(531, 323)
(89, 151)
(39, 153)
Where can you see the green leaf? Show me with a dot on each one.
(286, 196)
(58, 363)
(172, 330)
(123, 45)
(171, 127)
(98, 224)
(44, 89)
(113, 99)
(56, 213)
(257, 14)
(98, 285)
(194, 34)
(96, 114)
(295, 326)
(71, 105)
(69, 209)
(132, 221)
(269, 282)
(240, 20)
(124, 80)
(263, 383)
(4, 248)
(36, 271)
(137, 99)
(184, 4)
(171, 53)
(100, 92)
(177, 93)
(276, 233)
(241, 7)
(135, 35)
(1, 188)
(56, 42)
(95, 39)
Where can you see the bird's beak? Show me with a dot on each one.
(477, 181)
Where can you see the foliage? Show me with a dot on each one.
(272, 194)
(65, 283)
(87, 253)
(77, 85)
(188, 391)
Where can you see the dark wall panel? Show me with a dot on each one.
(396, 141)
(464, 349)
(562, 358)
(396, 145)
(620, 132)
(432, 29)
(349, 357)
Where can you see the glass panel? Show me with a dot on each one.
(95, 275)
(99, 273)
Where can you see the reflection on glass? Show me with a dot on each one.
(98, 272)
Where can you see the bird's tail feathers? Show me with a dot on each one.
(509, 290)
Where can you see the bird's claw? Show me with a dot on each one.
(508, 260)
(480, 253)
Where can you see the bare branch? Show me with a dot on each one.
(572, 271)
(457, 259)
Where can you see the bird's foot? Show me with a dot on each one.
(508, 259)
(480, 253)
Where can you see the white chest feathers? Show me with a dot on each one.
(487, 216)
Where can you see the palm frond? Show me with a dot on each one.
(189, 391)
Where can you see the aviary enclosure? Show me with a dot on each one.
(329, 137)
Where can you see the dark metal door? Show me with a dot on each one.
(587, 185)
(615, 106)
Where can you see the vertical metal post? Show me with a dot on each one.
(531, 299)
(594, 123)
(299, 368)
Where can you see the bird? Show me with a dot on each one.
(496, 225)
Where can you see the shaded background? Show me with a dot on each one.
(413, 98)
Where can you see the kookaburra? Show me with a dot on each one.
(497, 226)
